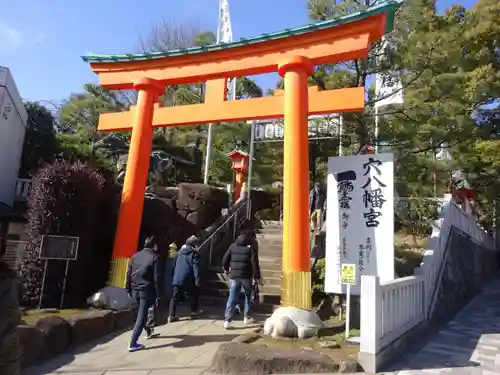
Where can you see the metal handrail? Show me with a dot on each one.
(235, 218)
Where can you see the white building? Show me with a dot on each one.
(13, 119)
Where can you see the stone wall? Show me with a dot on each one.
(467, 267)
(173, 214)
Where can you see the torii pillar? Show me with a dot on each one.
(296, 278)
(134, 184)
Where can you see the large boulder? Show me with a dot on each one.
(32, 344)
(57, 334)
(204, 200)
(249, 359)
(292, 322)
(266, 200)
(10, 317)
(111, 298)
(89, 327)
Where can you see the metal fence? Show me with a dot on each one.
(226, 232)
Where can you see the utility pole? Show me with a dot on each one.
(224, 35)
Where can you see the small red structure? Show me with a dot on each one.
(240, 167)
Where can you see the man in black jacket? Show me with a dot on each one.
(186, 278)
(241, 263)
(144, 284)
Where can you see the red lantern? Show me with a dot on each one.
(239, 161)
(369, 149)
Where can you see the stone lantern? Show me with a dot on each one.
(239, 165)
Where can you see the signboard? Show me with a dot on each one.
(319, 126)
(348, 274)
(360, 219)
(59, 248)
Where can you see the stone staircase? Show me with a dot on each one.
(214, 285)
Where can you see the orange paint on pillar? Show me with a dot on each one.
(238, 183)
(296, 255)
(134, 185)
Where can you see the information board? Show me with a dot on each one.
(59, 247)
(360, 219)
(348, 275)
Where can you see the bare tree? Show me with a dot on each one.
(168, 35)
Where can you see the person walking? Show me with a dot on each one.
(186, 278)
(316, 203)
(248, 229)
(241, 263)
(143, 284)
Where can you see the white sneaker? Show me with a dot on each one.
(228, 325)
(248, 320)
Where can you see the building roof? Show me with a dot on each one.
(388, 7)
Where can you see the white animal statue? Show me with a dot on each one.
(292, 322)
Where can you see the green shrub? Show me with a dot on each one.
(67, 199)
(318, 276)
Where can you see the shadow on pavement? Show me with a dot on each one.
(187, 341)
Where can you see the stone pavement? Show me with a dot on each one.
(185, 347)
(468, 345)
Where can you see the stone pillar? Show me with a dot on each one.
(296, 278)
(134, 185)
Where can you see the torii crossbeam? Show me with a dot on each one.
(291, 53)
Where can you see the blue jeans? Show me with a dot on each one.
(235, 286)
(144, 303)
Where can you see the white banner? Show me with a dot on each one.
(360, 219)
(318, 126)
(388, 86)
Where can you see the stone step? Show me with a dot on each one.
(271, 252)
(270, 232)
(271, 285)
(274, 273)
(273, 299)
(270, 245)
(211, 301)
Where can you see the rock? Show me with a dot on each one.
(328, 308)
(49, 311)
(165, 192)
(57, 334)
(111, 298)
(204, 200)
(87, 328)
(292, 322)
(123, 319)
(234, 358)
(32, 344)
(330, 344)
(247, 338)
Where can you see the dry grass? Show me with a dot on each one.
(331, 334)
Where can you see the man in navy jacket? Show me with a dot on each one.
(144, 284)
(186, 278)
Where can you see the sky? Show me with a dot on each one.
(42, 41)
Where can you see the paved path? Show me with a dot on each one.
(469, 344)
(185, 347)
